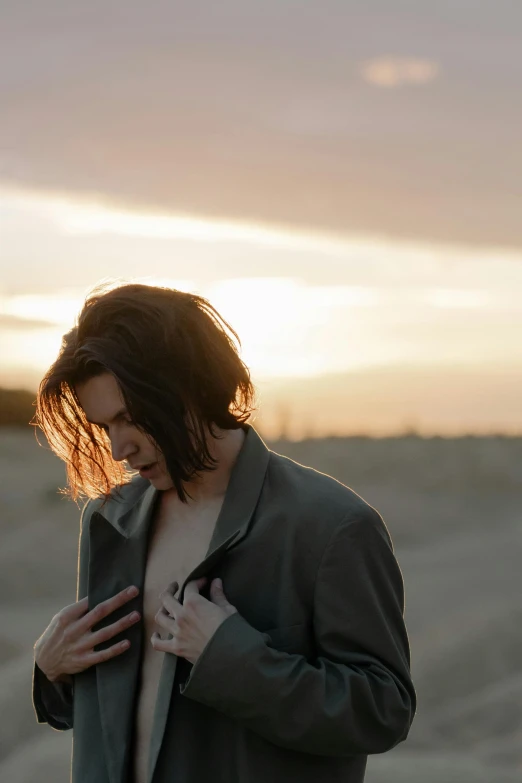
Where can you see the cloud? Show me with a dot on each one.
(271, 118)
(397, 71)
(14, 322)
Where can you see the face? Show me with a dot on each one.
(103, 404)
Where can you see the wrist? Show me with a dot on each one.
(62, 678)
(55, 676)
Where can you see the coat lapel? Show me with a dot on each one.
(118, 548)
(232, 525)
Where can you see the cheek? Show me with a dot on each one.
(162, 465)
(145, 443)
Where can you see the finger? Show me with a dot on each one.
(104, 634)
(162, 645)
(164, 621)
(75, 611)
(105, 608)
(218, 597)
(172, 588)
(217, 594)
(193, 587)
(171, 604)
(100, 656)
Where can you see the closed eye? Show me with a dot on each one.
(119, 417)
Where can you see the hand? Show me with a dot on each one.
(192, 623)
(66, 646)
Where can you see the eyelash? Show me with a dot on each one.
(106, 429)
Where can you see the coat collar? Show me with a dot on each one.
(118, 551)
(128, 512)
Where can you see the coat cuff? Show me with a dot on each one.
(52, 701)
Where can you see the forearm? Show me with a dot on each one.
(54, 677)
(327, 708)
(356, 695)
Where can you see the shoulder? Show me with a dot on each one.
(306, 486)
(318, 501)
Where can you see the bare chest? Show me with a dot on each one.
(179, 541)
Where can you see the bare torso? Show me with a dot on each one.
(179, 540)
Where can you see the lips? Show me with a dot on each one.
(143, 467)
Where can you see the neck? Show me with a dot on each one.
(213, 483)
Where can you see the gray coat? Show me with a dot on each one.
(308, 678)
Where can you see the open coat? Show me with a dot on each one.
(308, 678)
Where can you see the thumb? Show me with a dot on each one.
(218, 596)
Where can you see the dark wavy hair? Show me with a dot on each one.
(177, 364)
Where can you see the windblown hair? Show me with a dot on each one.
(177, 365)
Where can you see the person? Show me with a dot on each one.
(239, 616)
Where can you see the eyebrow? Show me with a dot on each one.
(118, 415)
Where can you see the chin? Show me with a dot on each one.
(161, 482)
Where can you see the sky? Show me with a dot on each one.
(341, 180)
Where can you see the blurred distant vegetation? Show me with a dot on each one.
(16, 407)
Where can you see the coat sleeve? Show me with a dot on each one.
(356, 696)
(53, 701)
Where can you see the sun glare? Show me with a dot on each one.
(88, 217)
(60, 309)
(303, 305)
(281, 322)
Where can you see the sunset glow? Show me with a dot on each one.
(305, 306)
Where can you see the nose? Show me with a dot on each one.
(121, 447)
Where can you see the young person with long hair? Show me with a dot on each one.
(239, 617)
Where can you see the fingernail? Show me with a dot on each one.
(132, 591)
(135, 616)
